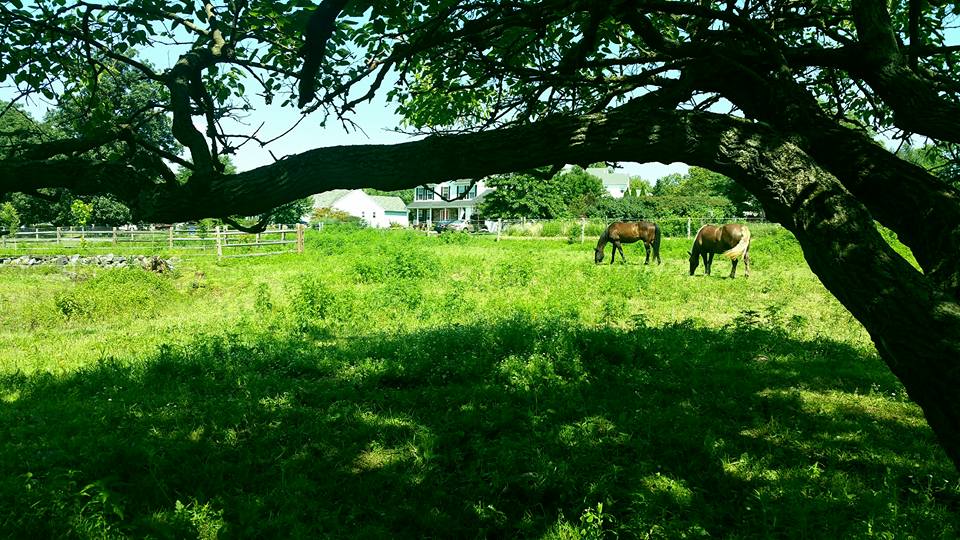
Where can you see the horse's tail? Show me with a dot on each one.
(656, 241)
(738, 250)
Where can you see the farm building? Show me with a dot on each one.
(428, 206)
(376, 210)
(615, 183)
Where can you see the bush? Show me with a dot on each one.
(116, 292)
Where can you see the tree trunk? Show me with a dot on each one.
(914, 324)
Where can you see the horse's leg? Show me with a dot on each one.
(613, 252)
(623, 258)
(646, 247)
(733, 269)
(707, 262)
(746, 262)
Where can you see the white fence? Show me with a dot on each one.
(221, 241)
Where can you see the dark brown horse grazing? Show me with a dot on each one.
(628, 233)
(732, 239)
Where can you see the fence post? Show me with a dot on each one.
(58, 236)
(114, 236)
(219, 240)
(499, 228)
(299, 237)
(688, 227)
(283, 233)
(583, 228)
(170, 238)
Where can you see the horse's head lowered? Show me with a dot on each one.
(598, 255)
(694, 262)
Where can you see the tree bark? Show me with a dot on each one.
(923, 210)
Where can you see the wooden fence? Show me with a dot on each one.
(583, 229)
(221, 241)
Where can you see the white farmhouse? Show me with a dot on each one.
(376, 210)
(429, 206)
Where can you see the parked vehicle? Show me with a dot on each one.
(441, 226)
(459, 225)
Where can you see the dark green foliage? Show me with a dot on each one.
(664, 208)
(293, 212)
(569, 193)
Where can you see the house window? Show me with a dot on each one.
(445, 192)
(423, 194)
(462, 189)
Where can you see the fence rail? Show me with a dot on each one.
(222, 241)
(581, 229)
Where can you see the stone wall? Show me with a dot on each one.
(148, 262)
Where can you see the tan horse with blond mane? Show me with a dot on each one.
(732, 240)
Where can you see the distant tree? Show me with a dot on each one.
(522, 195)
(292, 212)
(579, 190)
(9, 219)
(81, 212)
(668, 185)
(107, 210)
(706, 183)
(568, 193)
(639, 187)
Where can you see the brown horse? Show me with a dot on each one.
(732, 239)
(629, 232)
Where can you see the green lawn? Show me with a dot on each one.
(388, 384)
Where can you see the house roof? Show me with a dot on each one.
(327, 198)
(390, 203)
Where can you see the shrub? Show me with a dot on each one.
(310, 301)
(116, 292)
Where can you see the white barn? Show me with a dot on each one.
(376, 210)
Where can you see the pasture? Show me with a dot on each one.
(388, 384)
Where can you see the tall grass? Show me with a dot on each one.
(391, 384)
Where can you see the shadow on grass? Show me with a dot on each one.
(508, 429)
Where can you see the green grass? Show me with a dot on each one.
(388, 384)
